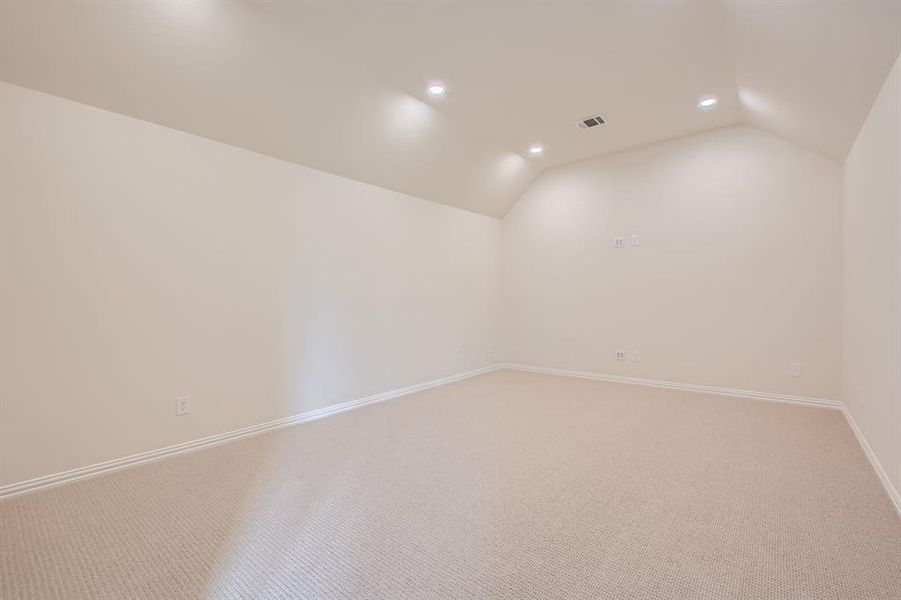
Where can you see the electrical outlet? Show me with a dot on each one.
(636, 356)
(619, 242)
(182, 406)
(634, 239)
(620, 355)
(795, 369)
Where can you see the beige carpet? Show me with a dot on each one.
(509, 485)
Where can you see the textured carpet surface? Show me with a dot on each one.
(509, 485)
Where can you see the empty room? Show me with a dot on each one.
(498, 299)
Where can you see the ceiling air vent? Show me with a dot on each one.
(589, 122)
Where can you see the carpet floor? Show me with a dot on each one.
(509, 485)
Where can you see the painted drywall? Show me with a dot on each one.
(872, 278)
(140, 263)
(737, 273)
(340, 86)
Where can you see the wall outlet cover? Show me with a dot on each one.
(182, 405)
(619, 242)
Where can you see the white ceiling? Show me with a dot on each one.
(339, 86)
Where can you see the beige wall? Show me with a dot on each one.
(141, 263)
(872, 278)
(736, 276)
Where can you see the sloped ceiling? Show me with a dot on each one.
(340, 86)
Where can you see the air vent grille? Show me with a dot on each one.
(590, 122)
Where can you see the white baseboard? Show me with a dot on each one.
(125, 462)
(47, 481)
(877, 466)
(688, 387)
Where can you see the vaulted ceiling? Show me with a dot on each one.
(340, 86)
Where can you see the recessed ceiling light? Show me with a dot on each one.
(437, 89)
(536, 150)
(708, 102)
